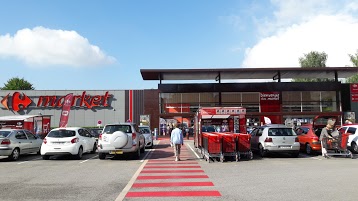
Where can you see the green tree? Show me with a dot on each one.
(354, 60)
(16, 83)
(312, 59)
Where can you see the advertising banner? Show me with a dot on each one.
(66, 107)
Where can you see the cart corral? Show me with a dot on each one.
(220, 134)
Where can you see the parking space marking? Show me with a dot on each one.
(89, 159)
(186, 144)
(150, 150)
(29, 161)
(130, 183)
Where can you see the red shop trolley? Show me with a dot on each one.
(337, 146)
(244, 146)
(228, 146)
(211, 148)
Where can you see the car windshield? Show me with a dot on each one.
(281, 132)
(110, 129)
(4, 133)
(144, 130)
(61, 133)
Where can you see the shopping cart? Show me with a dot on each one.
(337, 146)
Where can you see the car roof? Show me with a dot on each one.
(126, 123)
(351, 125)
(12, 129)
(275, 126)
(69, 128)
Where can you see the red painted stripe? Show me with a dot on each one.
(173, 177)
(166, 166)
(171, 163)
(161, 160)
(173, 194)
(130, 104)
(171, 184)
(171, 171)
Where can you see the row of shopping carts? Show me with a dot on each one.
(219, 146)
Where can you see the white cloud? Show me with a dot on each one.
(42, 46)
(334, 32)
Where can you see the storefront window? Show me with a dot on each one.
(309, 101)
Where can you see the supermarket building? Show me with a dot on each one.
(269, 95)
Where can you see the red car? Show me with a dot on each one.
(308, 134)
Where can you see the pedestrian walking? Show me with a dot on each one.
(176, 139)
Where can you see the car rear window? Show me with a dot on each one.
(62, 133)
(109, 129)
(281, 132)
(144, 130)
(4, 133)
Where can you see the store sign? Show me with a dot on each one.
(20, 101)
(223, 111)
(354, 92)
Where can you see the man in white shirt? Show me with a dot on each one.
(176, 139)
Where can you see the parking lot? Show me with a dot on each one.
(276, 177)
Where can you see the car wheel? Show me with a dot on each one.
(15, 154)
(39, 152)
(136, 154)
(79, 154)
(142, 150)
(262, 151)
(354, 147)
(308, 149)
(45, 157)
(101, 156)
(94, 148)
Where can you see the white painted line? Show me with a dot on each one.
(89, 159)
(29, 160)
(316, 158)
(144, 158)
(193, 151)
(124, 192)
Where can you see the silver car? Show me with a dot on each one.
(14, 142)
(145, 130)
(275, 138)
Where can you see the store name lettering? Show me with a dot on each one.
(20, 101)
(83, 100)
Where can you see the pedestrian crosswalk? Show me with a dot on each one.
(162, 176)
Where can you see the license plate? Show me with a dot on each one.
(285, 146)
(116, 152)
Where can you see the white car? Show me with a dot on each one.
(15, 142)
(352, 142)
(121, 138)
(148, 137)
(275, 138)
(68, 141)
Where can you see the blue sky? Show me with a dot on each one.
(95, 45)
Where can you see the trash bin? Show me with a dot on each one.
(156, 133)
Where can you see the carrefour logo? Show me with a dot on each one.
(20, 101)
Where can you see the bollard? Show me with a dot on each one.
(156, 133)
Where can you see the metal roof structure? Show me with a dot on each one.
(248, 73)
